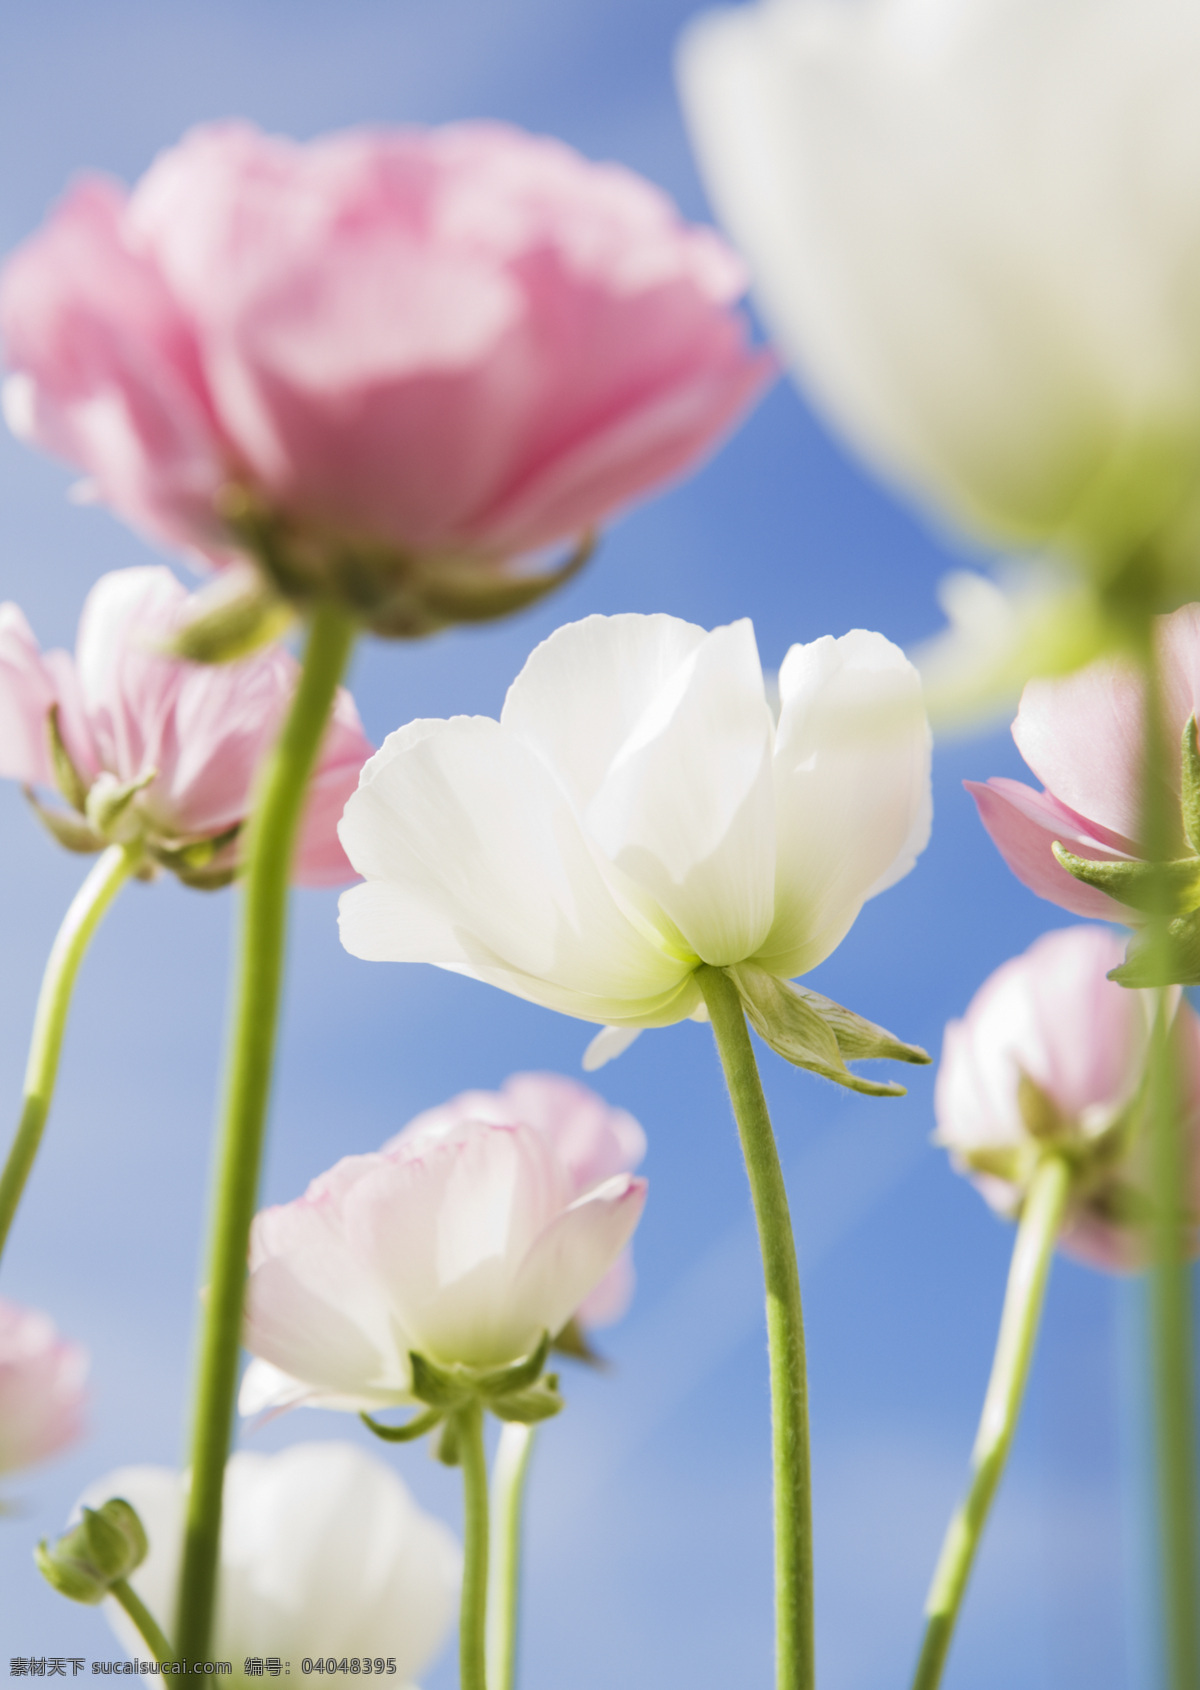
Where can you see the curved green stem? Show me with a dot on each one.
(270, 841)
(1041, 1219)
(108, 874)
(509, 1471)
(472, 1629)
(794, 1639)
(152, 1636)
(1171, 1316)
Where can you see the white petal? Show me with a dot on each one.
(574, 1254)
(487, 872)
(852, 776)
(584, 690)
(445, 1228)
(609, 1043)
(686, 810)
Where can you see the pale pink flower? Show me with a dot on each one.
(591, 1140)
(1083, 737)
(127, 711)
(457, 343)
(466, 1239)
(1052, 1017)
(41, 1388)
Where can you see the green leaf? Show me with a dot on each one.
(1190, 784)
(1143, 886)
(414, 1428)
(789, 1020)
(540, 1402)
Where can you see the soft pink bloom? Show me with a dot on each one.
(1052, 1015)
(41, 1388)
(461, 341)
(465, 1239)
(591, 1140)
(127, 709)
(1083, 739)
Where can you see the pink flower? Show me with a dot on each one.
(41, 1388)
(471, 1235)
(400, 346)
(194, 734)
(591, 1140)
(1051, 1054)
(1083, 739)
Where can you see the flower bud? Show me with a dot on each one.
(104, 1548)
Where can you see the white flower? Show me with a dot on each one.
(465, 1240)
(975, 228)
(323, 1552)
(636, 812)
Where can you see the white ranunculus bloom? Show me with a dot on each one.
(975, 228)
(466, 1240)
(323, 1552)
(636, 812)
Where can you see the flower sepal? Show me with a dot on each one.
(813, 1032)
(395, 593)
(102, 1550)
(1180, 965)
(520, 1391)
(234, 616)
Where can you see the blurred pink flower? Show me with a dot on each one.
(469, 1236)
(1051, 1017)
(466, 342)
(591, 1140)
(41, 1388)
(125, 711)
(1083, 738)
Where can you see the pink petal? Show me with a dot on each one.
(1024, 824)
(106, 366)
(27, 691)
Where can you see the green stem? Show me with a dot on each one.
(794, 1639)
(270, 839)
(1171, 1315)
(509, 1472)
(1041, 1219)
(141, 1616)
(108, 874)
(472, 1629)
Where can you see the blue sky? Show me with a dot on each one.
(649, 1559)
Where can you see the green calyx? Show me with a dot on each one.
(813, 1032)
(104, 812)
(1099, 1161)
(1170, 889)
(101, 1551)
(520, 1392)
(394, 593)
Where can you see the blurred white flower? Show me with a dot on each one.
(323, 1552)
(975, 227)
(636, 812)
